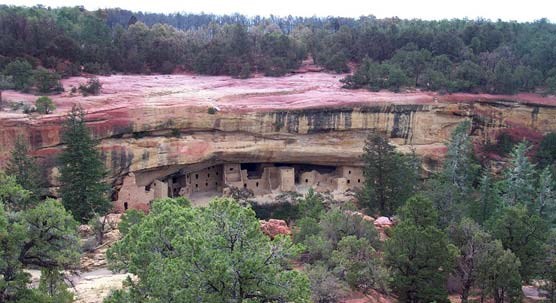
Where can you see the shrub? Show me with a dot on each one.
(212, 110)
(21, 72)
(47, 81)
(92, 87)
(44, 105)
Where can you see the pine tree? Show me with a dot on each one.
(520, 178)
(390, 177)
(82, 189)
(24, 168)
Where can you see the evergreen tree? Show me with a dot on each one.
(459, 168)
(43, 237)
(12, 195)
(211, 254)
(24, 168)
(82, 189)
(450, 189)
(499, 275)
(488, 200)
(548, 275)
(390, 177)
(472, 242)
(524, 234)
(546, 197)
(419, 254)
(520, 178)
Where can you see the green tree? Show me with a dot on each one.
(472, 243)
(311, 205)
(46, 81)
(548, 273)
(212, 254)
(419, 255)
(488, 201)
(545, 205)
(21, 72)
(450, 189)
(43, 237)
(546, 153)
(519, 184)
(12, 195)
(524, 234)
(44, 105)
(499, 273)
(24, 168)
(82, 171)
(390, 177)
(359, 264)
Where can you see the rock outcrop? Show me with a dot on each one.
(156, 125)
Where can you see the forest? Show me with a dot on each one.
(39, 45)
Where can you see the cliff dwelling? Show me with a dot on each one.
(200, 183)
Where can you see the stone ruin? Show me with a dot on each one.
(213, 180)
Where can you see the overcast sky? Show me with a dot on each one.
(519, 10)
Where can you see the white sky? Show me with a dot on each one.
(519, 10)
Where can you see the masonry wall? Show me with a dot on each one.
(132, 196)
(207, 179)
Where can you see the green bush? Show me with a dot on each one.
(47, 81)
(21, 72)
(44, 105)
(212, 110)
(92, 87)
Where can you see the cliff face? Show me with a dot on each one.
(155, 124)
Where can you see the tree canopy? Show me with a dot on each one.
(212, 254)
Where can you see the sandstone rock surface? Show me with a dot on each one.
(155, 125)
(274, 227)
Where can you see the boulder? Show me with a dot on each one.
(274, 227)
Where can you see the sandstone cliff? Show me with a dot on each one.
(157, 124)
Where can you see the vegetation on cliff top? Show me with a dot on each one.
(447, 55)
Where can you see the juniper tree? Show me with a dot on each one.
(498, 274)
(419, 254)
(212, 254)
(82, 172)
(390, 177)
(524, 234)
(472, 243)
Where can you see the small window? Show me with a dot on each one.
(196, 176)
(257, 184)
(244, 185)
(349, 172)
(196, 185)
(358, 180)
(349, 181)
(125, 205)
(306, 180)
(206, 184)
(208, 175)
(217, 173)
(216, 183)
(231, 168)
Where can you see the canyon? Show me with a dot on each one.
(170, 135)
